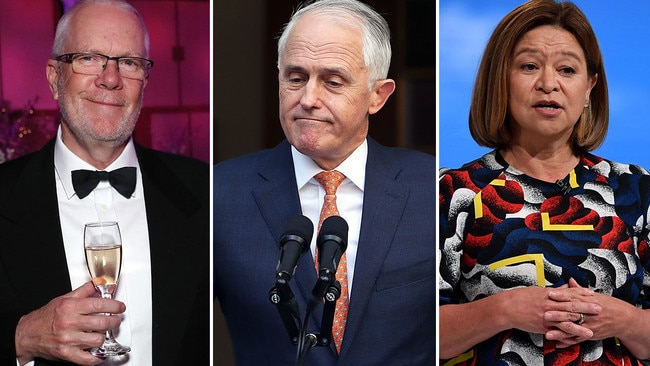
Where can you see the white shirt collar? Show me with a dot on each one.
(65, 161)
(354, 167)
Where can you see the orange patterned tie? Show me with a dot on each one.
(331, 181)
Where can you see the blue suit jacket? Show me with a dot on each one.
(33, 269)
(391, 319)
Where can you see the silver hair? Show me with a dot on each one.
(62, 28)
(376, 35)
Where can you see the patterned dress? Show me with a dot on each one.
(501, 229)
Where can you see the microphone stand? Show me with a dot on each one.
(329, 290)
(282, 297)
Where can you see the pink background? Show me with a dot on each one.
(176, 112)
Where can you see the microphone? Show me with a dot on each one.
(293, 244)
(562, 187)
(332, 242)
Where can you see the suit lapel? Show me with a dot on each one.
(384, 200)
(276, 194)
(278, 201)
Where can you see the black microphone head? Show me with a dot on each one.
(298, 229)
(334, 226)
(295, 242)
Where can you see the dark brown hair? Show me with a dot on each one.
(488, 116)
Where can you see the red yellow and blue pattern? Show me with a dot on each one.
(500, 229)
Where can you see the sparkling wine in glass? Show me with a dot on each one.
(103, 246)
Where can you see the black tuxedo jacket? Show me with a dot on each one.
(33, 268)
(391, 320)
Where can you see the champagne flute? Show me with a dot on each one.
(103, 246)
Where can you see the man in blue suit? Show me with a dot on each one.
(333, 59)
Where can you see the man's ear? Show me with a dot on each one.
(380, 93)
(52, 74)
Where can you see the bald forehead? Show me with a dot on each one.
(92, 23)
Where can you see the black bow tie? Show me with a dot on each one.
(122, 179)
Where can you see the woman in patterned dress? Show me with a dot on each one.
(544, 256)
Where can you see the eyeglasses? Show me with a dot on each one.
(88, 63)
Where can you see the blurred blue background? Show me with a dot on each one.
(624, 35)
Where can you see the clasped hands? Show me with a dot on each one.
(575, 314)
(67, 326)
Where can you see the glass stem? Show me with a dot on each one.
(109, 333)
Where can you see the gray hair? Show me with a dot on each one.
(63, 27)
(376, 35)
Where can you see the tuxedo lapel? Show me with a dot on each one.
(179, 252)
(29, 215)
(384, 201)
(36, 270)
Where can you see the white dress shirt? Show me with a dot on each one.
(349, 197)
(106, 204)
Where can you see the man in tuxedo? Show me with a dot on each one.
(333, 59)
(98, 72)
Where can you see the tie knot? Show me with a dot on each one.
(102, 175)
(330, 180)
